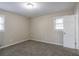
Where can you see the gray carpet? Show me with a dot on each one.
(34, 48)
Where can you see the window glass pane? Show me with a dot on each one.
(1, 20)
(59, 23)
(1, 23)
(59, 27)
(1, 27)
(59, 20)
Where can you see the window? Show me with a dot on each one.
(1, 23)
(59, 23)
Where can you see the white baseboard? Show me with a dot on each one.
(53, 43)
(13, 44)
(47, 42)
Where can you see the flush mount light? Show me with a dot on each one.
(30, 5)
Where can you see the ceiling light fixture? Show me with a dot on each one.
(30, 5)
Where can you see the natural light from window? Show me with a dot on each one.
(59, 24)
(1, 23)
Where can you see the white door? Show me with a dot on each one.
(69, 31)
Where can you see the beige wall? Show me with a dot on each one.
(16, 29)
(1, 38)
(42, 28)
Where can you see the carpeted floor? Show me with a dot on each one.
(35, 48)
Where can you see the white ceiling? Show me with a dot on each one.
(42, 8)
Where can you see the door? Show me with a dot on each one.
(69, 31)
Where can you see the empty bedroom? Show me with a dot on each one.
(39, 28)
